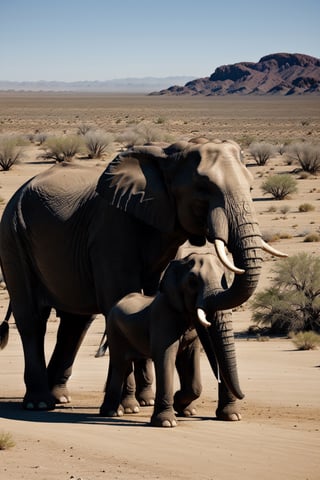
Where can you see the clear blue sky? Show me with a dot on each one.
(105, 39)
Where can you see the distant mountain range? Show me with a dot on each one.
(123, 85)
(275, 74)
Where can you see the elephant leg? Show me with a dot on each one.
(188, 367)
(71, 332)
(32, 330)
(228, 406)
(115, 403)
(143, 372)
(163, 413)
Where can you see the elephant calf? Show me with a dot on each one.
(165, 328)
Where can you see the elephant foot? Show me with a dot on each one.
(188, 411)
(146, 397)
(184, 407)
(38, 402)
(106, 411)
(129, 404)
(166, 419)
(61, 394)
(229, 412)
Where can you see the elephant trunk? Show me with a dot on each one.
(217, 340)
(242, 237)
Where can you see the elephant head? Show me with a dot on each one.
(199, 191)
(189, 285)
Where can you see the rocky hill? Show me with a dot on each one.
(275, 74)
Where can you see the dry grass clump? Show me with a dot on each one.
(63, 148)
(307, 155)
(6, 441)
(306, 207)
(305, 340)
(262, 151)
(10, 151)
(312, 237)
(97, 143)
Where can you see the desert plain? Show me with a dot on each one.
(279, 435)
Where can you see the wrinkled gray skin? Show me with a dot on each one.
(77, 241)
(164, 328)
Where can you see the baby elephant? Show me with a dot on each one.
(163, 328)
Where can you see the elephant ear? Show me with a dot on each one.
(134, 182)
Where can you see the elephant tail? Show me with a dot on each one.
(4, 328)
(102, 347)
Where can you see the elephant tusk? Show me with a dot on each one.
(267, 248)
(221, 252)
(202, 318)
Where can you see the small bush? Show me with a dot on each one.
(261, 152)
(312, 237)
(6, 441)
(272, 209)
(10, 151)
(97, 143)
(285, 209)
(40, 138)
(63, 148)
(83, 129)
(307, 155)
(280, 186)
(305, 340)
(140, 134)
(306, 207)
(292, 303)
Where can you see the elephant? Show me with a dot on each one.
(77, 239)
(164, 327)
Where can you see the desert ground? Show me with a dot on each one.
(279, 435)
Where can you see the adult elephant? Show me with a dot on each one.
(77, 241)
(164, 328)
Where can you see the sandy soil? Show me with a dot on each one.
(279, 435)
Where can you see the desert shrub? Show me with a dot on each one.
(307, 155)
(272, 209)
(6, 441)
(285, 209)
(312, 237)
(10, 151)
(140, 134)
(306, 207)
(292, 303)
(97, 143)
(83, 129)
(305, 340)
(279, 186)
(63, 148)
(40, 138)
(261, 152)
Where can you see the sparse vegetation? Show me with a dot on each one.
(307, 155)
(97, 143)
(140, 134)
(10, 151)
(280, 186)
(305, 340)
(6, 441)
(306, 207)
(261, 152)
(312, 237)
(63, 148)
(292, 303)
(285, 209)
(84, 129)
